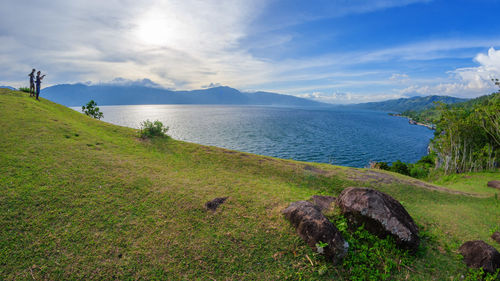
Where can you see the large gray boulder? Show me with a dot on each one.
(380, 213)
(478, 254)
(313, 227)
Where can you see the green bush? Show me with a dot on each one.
(383, 166)
(400, 167)
(427, 160)
(91, 109)
(24, 89)
(153, 129)
(369, 257)
(419, 171)
(474, 274)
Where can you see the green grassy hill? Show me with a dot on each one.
(84, 199)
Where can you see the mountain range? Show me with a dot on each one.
(80, 94)
(110, 94)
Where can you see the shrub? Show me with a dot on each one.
(153, 129)
(24, 89)
(383, 166)
(400, 167)
(474, 274)
(419, 171)
(91, 109)
(369, 257)
(427, 160)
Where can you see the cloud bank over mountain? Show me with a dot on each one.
(336, 51)
(470, 80)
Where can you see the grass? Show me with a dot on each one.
(84, 199)
(470, 182)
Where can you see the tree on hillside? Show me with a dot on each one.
(91, 109)
(468, 138)
(489, 115)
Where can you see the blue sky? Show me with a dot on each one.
(334, 51)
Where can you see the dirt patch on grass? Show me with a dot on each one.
(378, 178)
(364, 176)
(316, 170)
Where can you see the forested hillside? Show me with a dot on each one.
(405, 104)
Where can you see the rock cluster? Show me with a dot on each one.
(380, 213)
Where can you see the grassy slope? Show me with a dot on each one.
(81, 199)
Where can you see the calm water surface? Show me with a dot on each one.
(337, 136)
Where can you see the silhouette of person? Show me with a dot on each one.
(32, 83)
(38, 82)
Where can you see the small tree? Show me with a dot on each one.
(25, 89)
(91, 109)
(153, 129)
(400, 167)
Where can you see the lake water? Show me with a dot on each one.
(333, 135)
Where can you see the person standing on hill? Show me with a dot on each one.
(38, 83)
(32, 83)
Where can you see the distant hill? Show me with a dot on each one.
(8, 87)
(79, 94)
(433, 115)
(405, 104)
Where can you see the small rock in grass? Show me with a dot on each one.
(213, 204)
(316, 230)
(494, 184)
(496, 236)
(478, 254)
(324, 203)
(381, 214)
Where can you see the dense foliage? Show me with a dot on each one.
(369, 257)
(433, 114)
(91, 109)
(405, 104)
(420, 170)
(468, 138)
(152, 129)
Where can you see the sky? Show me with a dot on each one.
(336, 51)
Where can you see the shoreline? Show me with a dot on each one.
(413, 122)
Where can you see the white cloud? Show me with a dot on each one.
(470, 81)
(119, 81)
(400, 78)
(187, 44)
(211, 85)
(349, 98)
(176, 43)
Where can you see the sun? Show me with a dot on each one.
(157, 29)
